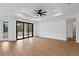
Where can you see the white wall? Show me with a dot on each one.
(50, 28)
(69, 29)
(12, 30)
(77, 29)
(54, 28)
(12, 26)
(1, 36)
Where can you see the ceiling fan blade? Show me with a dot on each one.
(40, 14)
(43, 12)
(39, 10)
(35, 11)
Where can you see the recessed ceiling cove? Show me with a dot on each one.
(38, 10)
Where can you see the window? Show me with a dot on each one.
(5, 30)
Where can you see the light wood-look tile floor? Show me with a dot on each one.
(37, 46)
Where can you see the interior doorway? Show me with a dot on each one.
(71, 29)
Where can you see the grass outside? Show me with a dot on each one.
(25, 34)
(5, 35)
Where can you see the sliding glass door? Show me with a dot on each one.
(24, 30)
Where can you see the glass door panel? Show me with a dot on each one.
(30, 30)
(25, 30)
(19, 30)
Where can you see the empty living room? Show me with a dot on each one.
(39, 29)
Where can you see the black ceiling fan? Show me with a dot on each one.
(40, 12)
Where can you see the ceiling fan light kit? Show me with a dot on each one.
(40, 12)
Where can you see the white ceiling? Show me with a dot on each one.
(25, 10)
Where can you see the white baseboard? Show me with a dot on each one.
(77, 41)
(11, 40)
(51, 38)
